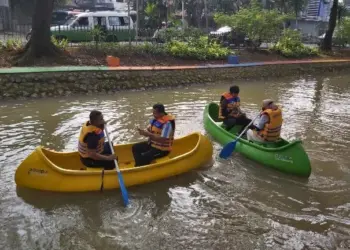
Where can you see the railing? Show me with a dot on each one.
(22, 32)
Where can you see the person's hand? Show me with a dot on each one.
(112, 157)
(141, 131)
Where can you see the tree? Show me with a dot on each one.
(27, 6)
(342, 32)
(40, 44)
(256, 23)
(152, 13)
(297, 6)
(327, 41)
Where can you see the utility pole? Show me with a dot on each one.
(137, 19)
(129, 22)
(206, 17)
(183, 14)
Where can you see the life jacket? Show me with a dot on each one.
(85, 130)
(232, 103)
(156, 127)
(272, 130)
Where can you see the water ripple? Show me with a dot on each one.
(236, 203)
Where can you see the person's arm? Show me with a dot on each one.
(238, 102)
(164, 137)
(92, 144)
(223, 102)
(262, 121)
(223, 106)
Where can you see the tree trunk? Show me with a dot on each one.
(327, 41)
(40, 44)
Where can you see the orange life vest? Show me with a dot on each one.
(156, 127)
(272, 129)
(85, 130)
(232, 103)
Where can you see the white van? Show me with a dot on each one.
(114, 24)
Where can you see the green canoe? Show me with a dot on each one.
(288, 157)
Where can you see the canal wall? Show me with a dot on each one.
(18, 83)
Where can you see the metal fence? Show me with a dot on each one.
(78, 34)
(13, 31)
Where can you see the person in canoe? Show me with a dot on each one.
(160, 133)
(94, 151)
(230, 111)
(268, 126)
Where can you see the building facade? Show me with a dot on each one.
(4, 15)
(318, 10)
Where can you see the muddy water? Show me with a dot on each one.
(234, 204)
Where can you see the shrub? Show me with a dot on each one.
(170, 34)
(60, 43)
(15, 44)
(290, 45)
(199, 49)
(118, 49)
(193, 49)
(341, 35)
(258, 24)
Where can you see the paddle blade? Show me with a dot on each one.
(228, 149)
(123, 189)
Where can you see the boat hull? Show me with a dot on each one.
(290, 157)
(54, 171)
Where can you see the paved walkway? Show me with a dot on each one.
(15, 70)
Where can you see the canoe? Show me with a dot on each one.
(288, 157)
(49, 170)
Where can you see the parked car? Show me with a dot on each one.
(228, 37)
(59, 17)
(114, 26)
(337, 40)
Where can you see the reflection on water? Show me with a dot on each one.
(235, 204)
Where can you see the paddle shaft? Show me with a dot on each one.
(112, 149)
(246, 128)
(119, 174)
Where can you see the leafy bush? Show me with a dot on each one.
(341, 36)
(193, 49)
(60, 43)
(290, 45)
(170, 34)
(118, 49)
(12, 45)
(197, 49)
(258, 24)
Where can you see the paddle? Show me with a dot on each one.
(230, 147)
(120, 177)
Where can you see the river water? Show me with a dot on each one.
(234, 204)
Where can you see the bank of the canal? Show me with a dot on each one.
(17, 83)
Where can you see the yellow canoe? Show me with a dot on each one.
(49, 170)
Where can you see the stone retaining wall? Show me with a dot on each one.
(36, 85)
